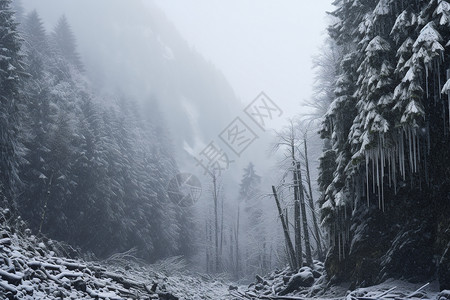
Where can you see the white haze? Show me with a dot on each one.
(260, 45)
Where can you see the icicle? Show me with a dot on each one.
(382, 176)
(394, 174)
(444, 118)
(383, 165)
(367, 178)
(426, 78)
(378, 179)
(389, 170)
(373, 171)
(402, 155)
(343, 246)
(418, 148)
(438, 63)
(382, 192)
(339, 246)
(448, 99)
(413, 133)
(410, 151)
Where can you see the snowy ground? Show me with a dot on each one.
(33, 269)
(283, 284)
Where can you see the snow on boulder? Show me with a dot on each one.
(444, 295)
(304, 278)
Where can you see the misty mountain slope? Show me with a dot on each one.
(79, 166)
(142, 55)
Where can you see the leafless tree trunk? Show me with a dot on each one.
(207, 247)
(291, 252)
(221, 232)
(216, 223)
(312, 206)
(297, 221)
(309, 261)
(238, 264)
(232, 261)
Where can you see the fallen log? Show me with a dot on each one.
(377, 296)
(418, 290)
(127, 283)
(281, 297)
(11, 277)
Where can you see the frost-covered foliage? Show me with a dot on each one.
(11, 73)
(86, 170)
(255, 250)
(389, 120)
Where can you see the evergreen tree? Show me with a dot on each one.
(254, 251)
(386, 125)
(65, 43)
(10, 80)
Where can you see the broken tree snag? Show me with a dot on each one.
(292, 260)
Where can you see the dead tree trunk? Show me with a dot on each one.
(291, 252)
(207, 247)
(221, 232)
(232, 261)
(312, 206)
(305, 221)
(238, 265)
(216, 224)
(297, 229)
(297, 222)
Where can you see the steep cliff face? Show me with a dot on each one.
(386, 207)
(410, 240)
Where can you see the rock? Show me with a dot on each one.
(79, 285)
(444, 295)
(232, 288)
(5, 241)
(154, 286)
(286, 279)
(304, 278)
(444, 270)
(167, 296)
(316, 274)
(259, 279)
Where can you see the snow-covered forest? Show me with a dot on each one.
(131, 167)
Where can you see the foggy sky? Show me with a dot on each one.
(258, 44)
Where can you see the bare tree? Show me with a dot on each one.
(290, 141)
(290, 248)
(311, 202)
(309, 261)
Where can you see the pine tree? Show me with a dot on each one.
(10, 80)
(253, 251)
(65, 43)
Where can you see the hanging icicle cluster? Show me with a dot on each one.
(388, 90)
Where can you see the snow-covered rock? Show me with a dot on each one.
(31, 269)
